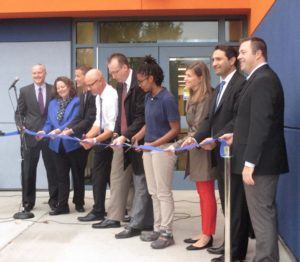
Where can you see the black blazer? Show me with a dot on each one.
(259, 125)
(135, 116)
(28, 111)
(86, 117)
(221, 121)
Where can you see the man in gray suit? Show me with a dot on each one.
(31, 113)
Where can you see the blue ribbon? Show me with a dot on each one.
(14, 133)
(141, 147)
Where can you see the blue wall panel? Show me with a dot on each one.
(288, 195)
(35, 30)
(281, 30)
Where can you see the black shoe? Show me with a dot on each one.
(90, 217)
(128, 232)
(28, 207)
(52, 206)
(216, 250)
(59, 211)
(79, 208)
(107, 223)
(209, 244)
(190, 240)
(222, 259)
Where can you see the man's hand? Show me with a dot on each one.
(87, 143)
(228, 138)
(247, 175)
(189, 141)
(119, 141)
(38, 138)
(206, 145)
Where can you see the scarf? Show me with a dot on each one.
(62, 105)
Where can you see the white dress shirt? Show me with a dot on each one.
(128, 80)
(226, 80)
(109, 98)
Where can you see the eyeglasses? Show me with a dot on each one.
(142, 81)
(115, 72)
(92, 84)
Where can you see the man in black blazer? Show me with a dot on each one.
(81, 124)
(127, 165)
(31, 113)
(220, 121)
(258, 144)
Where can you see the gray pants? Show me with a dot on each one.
(142, 210)
(262, 208)
(120, 183)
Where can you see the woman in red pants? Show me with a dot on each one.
(197, 80)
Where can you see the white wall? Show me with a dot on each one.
(16, 59)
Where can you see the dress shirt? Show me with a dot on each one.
(109, 98)
(227, 80)
(262, 64)
(43, 87)
(128, 80)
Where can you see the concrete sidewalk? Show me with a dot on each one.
(62, 238)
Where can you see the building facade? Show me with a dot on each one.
(64, 34)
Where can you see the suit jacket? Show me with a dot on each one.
(52, 123)
(135, 116)
(28, 111)
(221, 120)
(259, 126)
(82, 123)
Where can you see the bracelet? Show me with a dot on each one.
(95, 140)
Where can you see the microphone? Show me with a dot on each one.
(14, 83)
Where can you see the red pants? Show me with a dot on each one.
(208, 206)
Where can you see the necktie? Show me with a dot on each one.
(219, 93)
(84, 99)
(123, 113)
(41, 101)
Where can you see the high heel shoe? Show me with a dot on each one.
(190, 240)
(209, 244)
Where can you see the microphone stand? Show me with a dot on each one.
(24, 214)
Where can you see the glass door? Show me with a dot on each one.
(174, 61)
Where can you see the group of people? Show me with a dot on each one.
(247, 112)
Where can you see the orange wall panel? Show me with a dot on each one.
(255, 9)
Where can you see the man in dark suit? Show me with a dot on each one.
(127, 165)
(220, 121)
(31, 113)
(81, 124)
(258, 144)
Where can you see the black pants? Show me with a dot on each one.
(64, 162)
(28, 168)
(101, 177)
(78, 176)
(240, 221)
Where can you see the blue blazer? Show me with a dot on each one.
(52, 123)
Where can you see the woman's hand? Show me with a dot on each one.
(54, 133)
